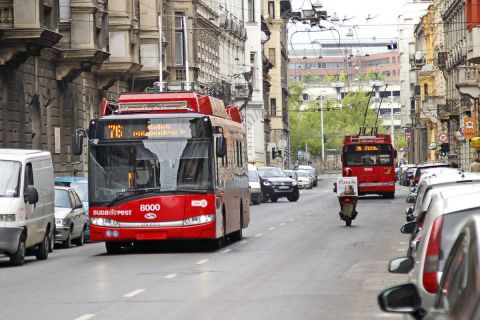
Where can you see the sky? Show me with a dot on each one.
(382, 25)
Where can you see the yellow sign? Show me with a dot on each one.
(469, 127)
(475, 142)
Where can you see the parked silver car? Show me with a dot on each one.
(448, 211)
(459, 293)
(70, 217)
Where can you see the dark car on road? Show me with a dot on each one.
(276, 184)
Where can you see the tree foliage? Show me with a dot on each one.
(338, 119)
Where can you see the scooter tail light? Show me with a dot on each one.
(430, 268)
(346, 200)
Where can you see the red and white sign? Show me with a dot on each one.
(443, 138)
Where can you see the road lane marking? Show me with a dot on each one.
(282, 224)
(292, 220)
(403, 243)
(85, 316)
(133, 293)
(272, 228)
(202, 261)
(308, 213)
(170, 276)
(401, 249)
(226, 251)
(259, 235)
(244, 242)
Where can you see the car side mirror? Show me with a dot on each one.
(31, 196)
(400, 299)
(408, 228)
(409, 210)
(221, 146)
(410, 218)
(335, 187)
(401, 265)
(413, 189)
(410, 199)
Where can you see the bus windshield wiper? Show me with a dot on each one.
(130, 193)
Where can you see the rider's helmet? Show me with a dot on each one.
(347, 172)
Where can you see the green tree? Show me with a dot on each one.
(340, 119)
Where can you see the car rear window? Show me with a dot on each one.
(422, 170)
(452, 225)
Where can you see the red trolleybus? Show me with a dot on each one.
(166, 166)
(371, 160)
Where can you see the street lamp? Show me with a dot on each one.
(321, 128)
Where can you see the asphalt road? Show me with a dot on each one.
(296, 261)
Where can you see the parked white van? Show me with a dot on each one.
(27, 204)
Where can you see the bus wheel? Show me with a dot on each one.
(113, 247)
(238, 235)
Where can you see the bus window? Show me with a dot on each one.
(367, 155)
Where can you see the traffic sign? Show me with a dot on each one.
(443, 138)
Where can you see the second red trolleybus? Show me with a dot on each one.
(371, 160)
(166, 166)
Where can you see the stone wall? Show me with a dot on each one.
(39, 112)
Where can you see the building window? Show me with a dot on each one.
(48, 17)
(273, 107)
(64, 10)
(271, 56)
(251, 10)
(179, 45)
(271, 9)
(180, 75)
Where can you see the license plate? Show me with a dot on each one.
(283, 187)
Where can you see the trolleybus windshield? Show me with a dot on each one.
(145, 156)
(368, 155)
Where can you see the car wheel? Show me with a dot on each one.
(80, 241)
(18, 258)
(68, 242)
(113, 247)
(294, 197)
(264, 198)
(273, 198)
(51, 240)
(43, 248)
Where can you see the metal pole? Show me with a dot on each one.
(160, 53)
(321, 125)
(185, 35)
(392, 131)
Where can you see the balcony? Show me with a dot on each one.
(468, 78)
(242, 91)
(473, 53)
(84, 45)
(124, 49)
(24, 35)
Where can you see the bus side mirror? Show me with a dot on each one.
(221, 146)
(77, 141)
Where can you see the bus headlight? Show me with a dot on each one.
(199, 220)
(102, 222)
(9, 217)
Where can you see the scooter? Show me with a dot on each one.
(348, 212)
(348, 206)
